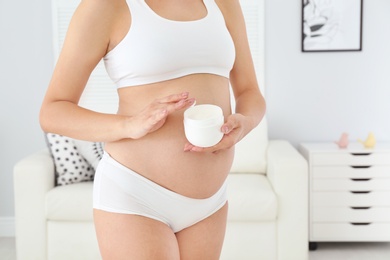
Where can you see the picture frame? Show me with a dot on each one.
(332, 25)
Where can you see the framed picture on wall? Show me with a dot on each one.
(332, 25)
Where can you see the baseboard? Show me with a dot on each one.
(7, 226)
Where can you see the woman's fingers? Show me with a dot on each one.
(230, 124)
(173, 98)
(154, 115)
(174, 102)
(232, 130)
(157, 116)
(175, 106)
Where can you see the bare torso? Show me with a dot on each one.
(159, 156)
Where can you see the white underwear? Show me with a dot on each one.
(118, 189)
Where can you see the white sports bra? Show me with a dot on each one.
(157, 49)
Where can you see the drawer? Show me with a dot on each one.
(351, 184)
(350, 214)
(366, 171)
(350, 232)
(355, 159)
(345, 198)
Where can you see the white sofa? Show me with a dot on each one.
(268, 207)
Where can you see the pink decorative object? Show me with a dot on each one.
(343, 141)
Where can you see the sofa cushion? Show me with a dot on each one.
(70, 202)
(250, 152)
(251, 198)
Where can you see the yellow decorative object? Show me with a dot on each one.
(369, 142)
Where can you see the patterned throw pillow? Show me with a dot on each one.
(91, 151)
(70, 165)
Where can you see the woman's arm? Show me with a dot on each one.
(85, 44)
(249, 101)
(250, 104)
(87, 41)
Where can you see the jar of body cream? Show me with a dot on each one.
(202, 125)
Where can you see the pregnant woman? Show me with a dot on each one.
(156, 196)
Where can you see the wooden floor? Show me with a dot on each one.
(325, 251)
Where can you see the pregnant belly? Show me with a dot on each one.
(160, 156)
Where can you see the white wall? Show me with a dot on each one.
(25, 68)
(310, 96)
(317, 96)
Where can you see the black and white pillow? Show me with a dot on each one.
(70, 165)
(91, 151)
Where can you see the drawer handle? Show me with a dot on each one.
(360, 208)
(360, 223)
(360, 166)
(360, 179)
(360, 154)
(360, 192)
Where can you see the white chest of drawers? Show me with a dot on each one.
(349, 192)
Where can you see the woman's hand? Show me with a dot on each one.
(153, 117)
(235, 128)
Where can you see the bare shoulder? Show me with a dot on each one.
(231, 10)
(93, 23)
(98, 12)
(87, 39)
(102, 6)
